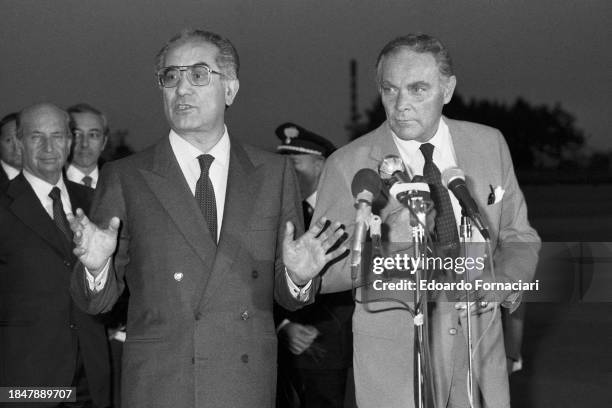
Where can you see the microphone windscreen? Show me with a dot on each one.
(366, 179)
(451, 174)
(390, 165)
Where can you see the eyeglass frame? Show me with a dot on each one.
(183, 68)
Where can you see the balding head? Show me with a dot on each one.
(43, 135)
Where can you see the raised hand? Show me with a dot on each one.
(306, 256)
(94, 245)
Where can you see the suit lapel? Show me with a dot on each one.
(243, 183)
(467, 157)
(168, 184)
(27, 207)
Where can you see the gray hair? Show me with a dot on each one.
(420, 43)
(227, 59)
(86, 108)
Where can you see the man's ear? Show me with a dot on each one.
(231, 89)
(449, 87)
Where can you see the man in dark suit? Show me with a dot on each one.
(10, 155)
(45, 340)
(202, 272)
(317, 344)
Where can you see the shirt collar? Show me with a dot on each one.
(10, 171)
(43, 188)
(440, 139)
(184, 149)
(75, 173)
(312, 199)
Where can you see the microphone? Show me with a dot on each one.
(366, 188)
(395, 175)
(454, 179)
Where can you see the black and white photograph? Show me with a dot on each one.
(305, 203)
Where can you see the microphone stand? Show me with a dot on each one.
(418, 224)
(466, 235)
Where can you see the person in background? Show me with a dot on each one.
(90, 130)
(315, 353)
(10, 154)
(45, 340)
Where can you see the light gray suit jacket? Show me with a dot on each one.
(200, 331)
(383, 355)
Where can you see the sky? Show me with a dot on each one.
(295, 57)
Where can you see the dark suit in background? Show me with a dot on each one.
(42, 332)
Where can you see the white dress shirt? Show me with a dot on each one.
(42, 189)
(10, 171)
(443, 156)
(187, 156)
(75, 175)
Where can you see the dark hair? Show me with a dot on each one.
(227, 59)
(11, 117)
(86, 108)
(421, 43)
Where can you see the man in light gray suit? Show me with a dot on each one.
(415, 80)
(201, 230)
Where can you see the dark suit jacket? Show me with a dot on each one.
(3, 178)
(331, 314)
(40, 327)
(200, 327)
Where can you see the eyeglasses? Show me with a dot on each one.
(197, 75)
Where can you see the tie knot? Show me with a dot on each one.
(87, 180)
(55, 193)
(427, 150)
(205, 162)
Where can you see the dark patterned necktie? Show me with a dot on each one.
(205, 195)
(59, 216)
(87, 181)
(446, 225)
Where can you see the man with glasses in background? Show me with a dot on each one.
(202, 231)
(90, 130)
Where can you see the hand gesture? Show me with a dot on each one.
(299, 337)
(94, 246)
(306, 256)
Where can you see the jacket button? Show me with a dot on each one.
(67, 263)
(245, 358)
(178, 276)
(452, 331)
(72, 326)
(244, 315)
(255, 274)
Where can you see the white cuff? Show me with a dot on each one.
(97, 284)
(300, 294)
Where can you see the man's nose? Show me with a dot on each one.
(403, 101)
(47, 145)
(184, 86)
(84, 141)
